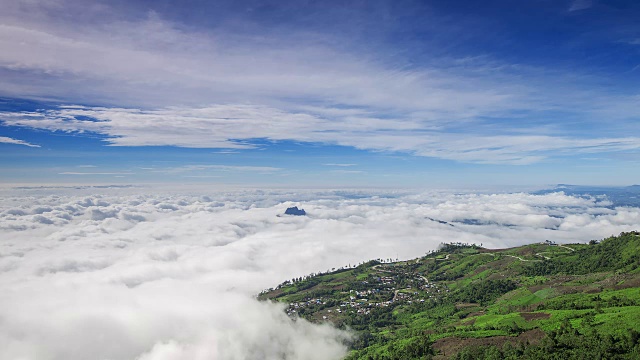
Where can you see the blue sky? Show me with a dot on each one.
(307, 93)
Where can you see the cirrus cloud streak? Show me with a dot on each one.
(237, 126)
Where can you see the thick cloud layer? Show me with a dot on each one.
(129, 275)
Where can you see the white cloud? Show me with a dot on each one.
(168, 274)
(8, 140)
(234, 126)
(192, 68)
(230, 88)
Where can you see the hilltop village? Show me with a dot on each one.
(383, 287)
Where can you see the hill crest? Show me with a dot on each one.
(463, 297)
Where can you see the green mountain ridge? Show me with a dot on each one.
(538, 301)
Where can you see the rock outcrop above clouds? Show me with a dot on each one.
(295, 211)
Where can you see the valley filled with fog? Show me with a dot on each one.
(142, 273)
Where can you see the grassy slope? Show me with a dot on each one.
(468, 296)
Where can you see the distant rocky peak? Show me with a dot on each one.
(295, 211)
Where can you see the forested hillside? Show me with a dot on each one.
(540, 301)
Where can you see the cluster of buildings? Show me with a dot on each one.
(380, 291)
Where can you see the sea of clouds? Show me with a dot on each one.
(139, 273)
